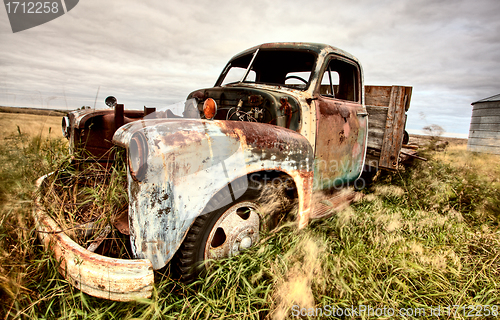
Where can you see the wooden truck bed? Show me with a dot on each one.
(386, 106)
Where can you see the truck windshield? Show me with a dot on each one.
(290, 68)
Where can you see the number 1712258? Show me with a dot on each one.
(32, 7)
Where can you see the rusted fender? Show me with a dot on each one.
(177, 165)
(94, 274)
(80, 117)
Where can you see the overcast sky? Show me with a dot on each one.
(155, 52)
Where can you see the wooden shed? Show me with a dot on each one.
(484, 132)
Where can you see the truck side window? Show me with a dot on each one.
(340, 80)
(329, 88)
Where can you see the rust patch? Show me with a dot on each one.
(286, 108)
(164, 211)
(263, 135)
(341, 136)
(121, 223)
(183, 137)
(337, 135)
(92, 130)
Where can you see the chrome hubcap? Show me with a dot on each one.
(236, 230)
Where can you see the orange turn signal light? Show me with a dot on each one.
(209, 108)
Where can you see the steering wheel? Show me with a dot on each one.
(296, 77)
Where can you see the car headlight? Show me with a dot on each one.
(65, 127)
(137, 156)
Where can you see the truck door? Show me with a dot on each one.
(342, 124)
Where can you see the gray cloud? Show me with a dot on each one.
(155, 52)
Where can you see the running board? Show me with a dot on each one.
(326, 206)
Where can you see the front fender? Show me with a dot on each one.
(186, 162)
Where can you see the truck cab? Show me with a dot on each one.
(315, 90)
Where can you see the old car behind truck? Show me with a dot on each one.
(296, 115)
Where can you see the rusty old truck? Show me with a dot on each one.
(296, 115)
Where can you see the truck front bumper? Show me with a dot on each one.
(94, 274)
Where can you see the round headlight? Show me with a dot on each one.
(65, 127)
(137, 156)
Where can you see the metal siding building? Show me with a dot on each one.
(484, 132)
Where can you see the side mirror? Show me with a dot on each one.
(110, 101)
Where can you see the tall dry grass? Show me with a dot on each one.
(25, 155)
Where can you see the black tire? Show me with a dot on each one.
(366, 178)
(188, 260)
(406, 137)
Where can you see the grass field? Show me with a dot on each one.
(423, 238)
(30, 124)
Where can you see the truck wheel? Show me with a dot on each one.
(406, 137)
(366, 178)
(222, 233)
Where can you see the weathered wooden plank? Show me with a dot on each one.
(376, 139)
(386, 106)
(375, 143)
(377, 132)
(381, 95)
(377, 117)
(408, 92)
(372, 157)
(378, 95)
(394, 129)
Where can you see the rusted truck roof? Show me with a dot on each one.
(314, 47)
